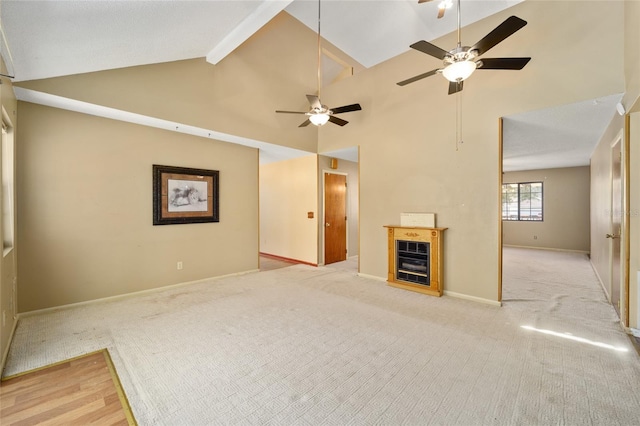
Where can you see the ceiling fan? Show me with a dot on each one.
(318, 113)
(461, 62)
(442, 7)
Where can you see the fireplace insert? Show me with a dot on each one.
(412, 262)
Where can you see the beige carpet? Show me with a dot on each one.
(309, 346)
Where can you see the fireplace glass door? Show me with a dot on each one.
(412, 262)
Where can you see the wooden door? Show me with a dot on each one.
(616, 223)
(335, 218)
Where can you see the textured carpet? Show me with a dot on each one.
(309, 346)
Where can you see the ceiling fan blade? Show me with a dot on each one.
(429, 49)
(424, 1)
(290, 112)
(441, 12)
(314, 101)
(455, 87)
(503, 63)
(305, 123)
(338, 121)
(417, 77)
(502, 31)
(346, 108)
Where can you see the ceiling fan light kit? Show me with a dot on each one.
(459, 71)
(442, 6)
(319, 119)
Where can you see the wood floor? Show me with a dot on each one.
(80, 391)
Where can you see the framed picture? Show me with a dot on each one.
(183, 195)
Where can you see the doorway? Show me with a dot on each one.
(607, 185)
(335, 217)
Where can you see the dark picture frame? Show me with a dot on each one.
(184, 195)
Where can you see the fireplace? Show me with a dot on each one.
(415, 259)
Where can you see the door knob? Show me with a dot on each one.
(327, 224)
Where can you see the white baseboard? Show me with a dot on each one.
(372, 277)
(133, 294)
(472, 298)
(446, 293)
(548, 248)
(5, 354)
(595, 271)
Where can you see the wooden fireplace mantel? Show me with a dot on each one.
(416, 246)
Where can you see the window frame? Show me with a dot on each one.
(519, 200)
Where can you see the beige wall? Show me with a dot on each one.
(85, 209)
(8, 266)
(350, 169)
(288, 191)
(632, 103)
(566, 210)
(631, 54)
(409, 160)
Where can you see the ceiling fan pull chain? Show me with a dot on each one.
(459, 39)
(458, 119)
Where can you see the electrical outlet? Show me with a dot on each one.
(535, 237)
(179, 266)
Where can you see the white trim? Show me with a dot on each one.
(617, 141)
(472, 298)
(6, 350)
(604, 289)
(372, 277)
(635, 332)
(268, 152)
(549, 248)
(130, 295)
(249, 26)
(5, 52)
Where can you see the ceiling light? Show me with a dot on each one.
(459, 71)
(319, 119)
(445, 4)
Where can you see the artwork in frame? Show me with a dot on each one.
(184, 195)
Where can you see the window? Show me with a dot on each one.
(522, 201)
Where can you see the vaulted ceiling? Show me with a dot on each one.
(52, 38)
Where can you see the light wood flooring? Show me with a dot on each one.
(80, 391)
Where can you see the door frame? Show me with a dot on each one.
(626, 209)
(500, 181)
(616, 288)
(346, 202)
(625, 234)
(622, 138)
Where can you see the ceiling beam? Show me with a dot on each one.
(249, 26)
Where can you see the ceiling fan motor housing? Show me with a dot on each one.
(459, 54)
